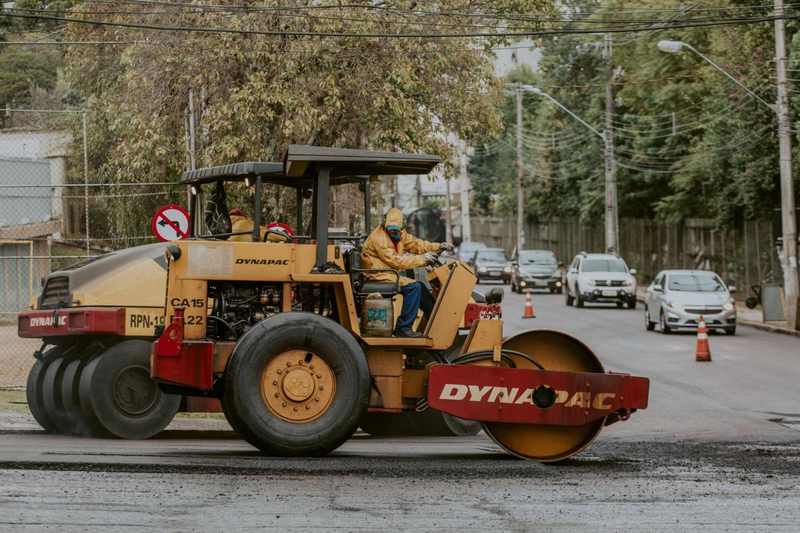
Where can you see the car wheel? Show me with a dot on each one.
(730, 330)
(569, 298)
(665, 329)
(559, 290)
(648, 324)
(620, 304)
(632, 303)
(579, 301)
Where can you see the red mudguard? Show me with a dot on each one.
(493, 394)
(71, 321)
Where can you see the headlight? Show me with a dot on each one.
(669, 304)
(558, 283)
(627, 283)
(730, 306)
(591, 282)
(507, 269)
(482, 269)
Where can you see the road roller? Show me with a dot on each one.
(97, 320)
(283, 348)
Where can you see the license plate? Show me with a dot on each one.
(540, 283)
(609, 293)
(495, 274)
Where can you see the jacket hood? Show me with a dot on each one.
(394, 217)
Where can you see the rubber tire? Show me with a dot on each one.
(620, 304)
(730, 330)
(559, 290)
(270, 338)
(70, 399)
(568, 297)
(51, 395)
(751, 302)
(665, 329)
(648, 324)
(632, 303)
(96, 400)
(579, 301)
(33, 389)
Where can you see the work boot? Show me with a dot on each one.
(409, 333)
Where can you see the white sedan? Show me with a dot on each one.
(677, 299)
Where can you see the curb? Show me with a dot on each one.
(751, 324)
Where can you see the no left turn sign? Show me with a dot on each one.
(171, 223)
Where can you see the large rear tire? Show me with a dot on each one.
(51, 394)
(554, 350)
(297, 384)
(118, 396)
(34, 389)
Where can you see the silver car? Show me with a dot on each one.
(677, 298)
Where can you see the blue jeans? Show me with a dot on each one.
(414, 297)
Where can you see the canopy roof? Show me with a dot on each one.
(302, 164)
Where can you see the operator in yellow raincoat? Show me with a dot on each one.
(384, 249)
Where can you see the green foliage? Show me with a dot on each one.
(22, 70)
(255, 95)
(717, 158)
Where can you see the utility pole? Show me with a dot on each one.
(466, 231)
(790, 278)
(449, 218)
(608, 138)
(520, 219)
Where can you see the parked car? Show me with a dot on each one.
(536, 269)
(492, 264)
(466, 251)
(600, 278)
(677, 298)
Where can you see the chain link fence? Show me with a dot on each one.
(55, 211)
(743, 256)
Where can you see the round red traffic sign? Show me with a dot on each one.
(171, 223)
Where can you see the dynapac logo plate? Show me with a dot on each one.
(44, 322)
(262, 261)
(492, 394)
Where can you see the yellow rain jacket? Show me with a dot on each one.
(245, 224)
(379, 251)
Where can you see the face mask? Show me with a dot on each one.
(395, 237)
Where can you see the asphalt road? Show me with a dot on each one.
(718, 448)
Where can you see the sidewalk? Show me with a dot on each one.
(744, 317)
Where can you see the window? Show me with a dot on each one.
(491, 255)
(536, 257)
(696, 283)
(604, 265)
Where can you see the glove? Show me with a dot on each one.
(431, 258)
(446, 246)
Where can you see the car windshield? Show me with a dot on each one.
(537, 258)
(492, 255)
(696, 283)
(470, 247)
(603, 265)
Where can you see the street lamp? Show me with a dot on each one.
(673, 47)
(612, 206)
(789, 222)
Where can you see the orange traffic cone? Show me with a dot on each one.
(703, 353)
(528, 305)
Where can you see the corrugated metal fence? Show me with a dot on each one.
(743, 256)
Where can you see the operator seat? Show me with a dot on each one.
(359, 278)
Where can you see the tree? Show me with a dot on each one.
(257, 94)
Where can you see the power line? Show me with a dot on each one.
(199, 29)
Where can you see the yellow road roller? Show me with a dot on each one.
(283, 348)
